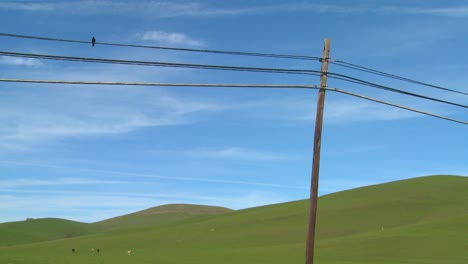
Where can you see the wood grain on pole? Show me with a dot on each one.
(316, 156)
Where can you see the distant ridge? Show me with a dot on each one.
(45, 229)
(419, 220)
(158, 215)
(42, 229)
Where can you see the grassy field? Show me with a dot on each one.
(158, 216)
(40, 230)
(37, 230)
(422, 220)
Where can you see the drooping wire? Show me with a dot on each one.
(294, 86)
(388, 75)
(226, 52)
(387, 88)
(399, 106)
(160, 64)
(213, 85)
(227, 68)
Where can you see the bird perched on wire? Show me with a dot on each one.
(93, 41)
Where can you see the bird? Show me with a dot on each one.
(93, 41)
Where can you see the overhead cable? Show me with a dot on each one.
(388, 75)
(160, 64)
(391, 89)
(225, 67)
(227, 52)
(298, 86)
(293, 86)
(398, 106)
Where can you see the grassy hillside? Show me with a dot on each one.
(421, 220)
(164, 214)
(36, 230)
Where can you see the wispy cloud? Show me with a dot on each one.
(173, 38)
(177, 9)
(192, 8)
(52, 114)
(338, 110)
(353, 149)
(23, 182)
(153, 176)
(20, 61)
(18, 205)
(28, 6)
(460, 11)
(227, 153)
(38, 117)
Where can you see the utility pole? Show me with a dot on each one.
(316, 158)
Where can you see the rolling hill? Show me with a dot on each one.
(45, 229)
(421, 220)
(37, 230)
(159, 215)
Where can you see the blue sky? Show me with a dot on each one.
(91, 152)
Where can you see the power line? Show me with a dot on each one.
(212, 85)
(290, 86)
(388, 75)
(226, 52)
(398, 106)
(223, 67)
(391, 89)
(160, 64)
(284, 56)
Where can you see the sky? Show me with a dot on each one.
(88, 153)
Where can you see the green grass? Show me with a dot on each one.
(159, 215)
(46, 229)
(37, 230)
(424, 220)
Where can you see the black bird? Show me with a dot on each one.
(93, 41)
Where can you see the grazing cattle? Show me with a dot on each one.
(97, 250)
(129, 252)
(73, 250)
(92, 250)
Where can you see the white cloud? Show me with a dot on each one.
(177, 9)
(23, 182)
(18, 205)
(28, 6)
(338, 110)
(20, 61)
(355, 110)
(50, 114)
(36, 117)
(173, 38)
(228, 153)
(353, 149)
(153, 176)
(461, 11)
(153, 8)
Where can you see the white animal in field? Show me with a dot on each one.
(129, 252)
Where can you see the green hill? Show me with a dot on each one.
(422, 220)
(164, 214)
(36, 230)
(45, 229)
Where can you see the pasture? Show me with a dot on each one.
(421, 220)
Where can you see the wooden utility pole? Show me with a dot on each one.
(316, 159)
